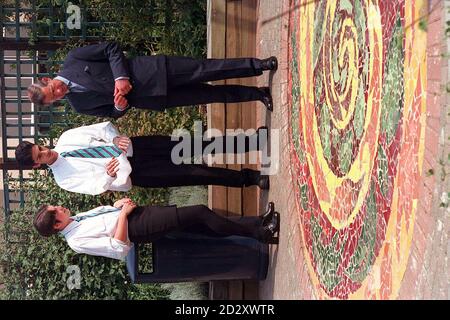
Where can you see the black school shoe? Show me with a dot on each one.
(269, 64)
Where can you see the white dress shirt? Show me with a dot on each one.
(88, 175)
(95, 235)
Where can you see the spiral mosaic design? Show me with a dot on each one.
(357, 83)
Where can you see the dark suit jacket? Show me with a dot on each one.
(96, 67)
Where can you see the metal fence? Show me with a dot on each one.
(31, 32)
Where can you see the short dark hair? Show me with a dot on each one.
(24, 154)
(44, 221)
(35, 93)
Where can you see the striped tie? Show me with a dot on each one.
(91, 215)
(97, 152)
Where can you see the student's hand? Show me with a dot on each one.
(112, 167)
(119, 203)
(122, 87)
(128, 208)
(122, 142)
(121, 102)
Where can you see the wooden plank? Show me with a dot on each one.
(216, 112)
(251, 290)
(233, 110)
(235, 290)
(233, 121)
(217, 195)
(248, 113)
(217, 40)
(250, 195)
(233, 34)
(218, 290)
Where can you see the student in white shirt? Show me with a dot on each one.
(109, 231)
(143, 161)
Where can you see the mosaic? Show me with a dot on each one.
(357, 80)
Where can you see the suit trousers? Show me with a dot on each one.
(152, 167)
(187, 77)
(147, 224)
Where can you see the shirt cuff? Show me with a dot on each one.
(122, 243)
(109, 181)
(109, 132)
(122, 78)
(118, 108)
(120, 248)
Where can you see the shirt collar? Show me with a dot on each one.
(59, 161)
(66, 81)
(69, 227)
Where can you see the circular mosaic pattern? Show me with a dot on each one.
(357, 80)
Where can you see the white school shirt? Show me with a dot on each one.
(88, 175)
(95, 235)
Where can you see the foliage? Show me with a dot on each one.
(186, 32)
(35, 267)
(176, 27)
(168, 26)
(187, 290)
(149, 292)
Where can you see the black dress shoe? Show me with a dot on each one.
(274, 225)
(264, 182)
(269, 64)
(267, 98)
(268, 215)
(269, 233)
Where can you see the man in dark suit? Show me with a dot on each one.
(98, 80)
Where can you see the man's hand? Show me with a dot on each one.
(122, 87)
(121, 102)
(128, 208)
(112, 167)
(122, 142)
(122, 224)
(119, 203)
